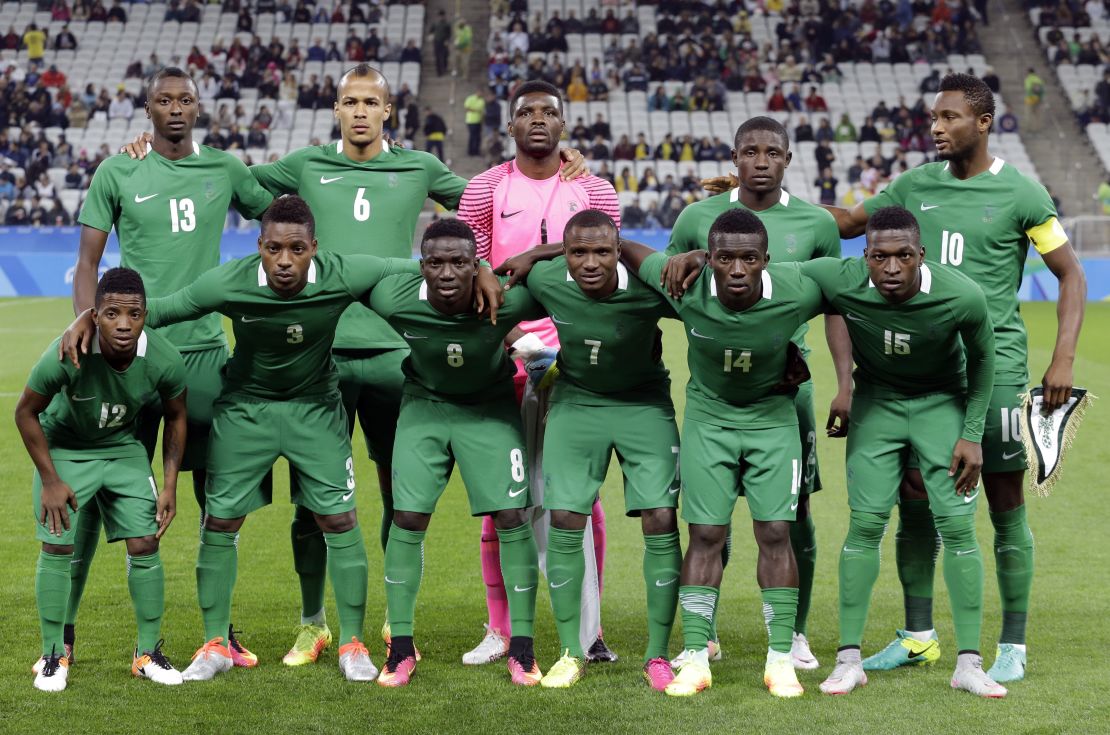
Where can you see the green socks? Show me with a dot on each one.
(780, 608)
(963, 575)
(859, 568)
(1013, 556)
(52, 583)
(310, 560)
(347, 567)
(84, 549)
(803, 539)
(520, 567)
(217, 566)
(916, 546)
(662, 566)
(566, 565)
(698, 604)
(146, 581)
(404, 565)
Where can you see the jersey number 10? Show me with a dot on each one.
(951, 248)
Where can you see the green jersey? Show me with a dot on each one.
(982, 226)
(916, 347)
(94, 410)
(169, 217)
(282, 345)
(605, 345)
(364, 208)
(737, 358)
(460, 358)
(796, 231)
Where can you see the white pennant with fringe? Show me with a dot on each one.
(1047, 437)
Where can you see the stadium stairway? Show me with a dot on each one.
(1062, 153)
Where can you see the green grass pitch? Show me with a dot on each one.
(1066, 689)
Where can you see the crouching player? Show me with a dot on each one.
(79, 426)
(459, 406)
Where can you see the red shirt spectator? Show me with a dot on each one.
(815, 102)
(777, 101)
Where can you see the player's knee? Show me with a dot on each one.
(568, 520)
(57, 549)
(772, 535)
(867, 529)
(706, 538)
(659, 520)
(912, 486)
(1004, 491)
(957, 532)
(410, 521)
(509, 518)
(337, 523)
(223, 525)
(142, 546)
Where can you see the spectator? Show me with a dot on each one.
(814, 102)
(117, 14)
(659, 101)
(411, 53)
(11, 40)
(635, 80)
(648, 181)
(643, 149)
(1034, 97)
(626, 181)
(464, 44)
(931, 83)
(65, 40)
(610, 24)
(52, 78)
(34, 41)
(845, 130)
(214, 139)
(412, 119)
(777, 101)
(600, 127)
(824, 156)
(826, 185)
(435, 131)
(121, 108)
(1007, 122)
(868, 133)
(991, 80)
(491, 118)
(824, 132)
(75, 178)
(794, 99)
(263, 119)
(245, 23)
(666, 150)
(97, 13)
(234, 139)
(803, 132)
(78, 114)
(624, 150)
(440, 35)
(598, 90)
(856, 170)
(577, 90)
(316, 52)
(599, 151)
(629, 23)
(632, 217)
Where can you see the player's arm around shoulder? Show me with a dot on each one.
(445, 187)
(248, 196)
(283, 176)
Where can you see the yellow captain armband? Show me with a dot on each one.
(1047, 236)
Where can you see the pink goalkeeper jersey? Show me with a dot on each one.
(511, 213)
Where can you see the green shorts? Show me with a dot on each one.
(717, 462)
(1002, 447)
(807, 434)
(884, 432)
(371, 383)
(484, 438)
(580, 440)
(123, 490)
(248, 435)
(204, 381)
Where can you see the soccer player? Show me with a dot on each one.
(910, 327)
(80, 427)
(740, 431)
(978, 214)
(168, 211)
(796, 231)
(514, 207)
(459, 407)
(612, 395)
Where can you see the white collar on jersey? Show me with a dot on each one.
(140, 350)
(784, 199)
(339, 146)
(996, 165)
(311, 274)
(622, 277)
(196, 148)
(926, 279)
(764, 277)
(423, 291)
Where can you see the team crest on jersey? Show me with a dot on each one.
(988, 213)
(393, 181)
(210, 192)
(791, 241)
(572, 206)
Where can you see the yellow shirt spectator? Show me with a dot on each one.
(35, 41)
(577, 90)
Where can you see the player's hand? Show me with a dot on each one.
(1057, 382)
(488, 296)
(657, 346)
(542, 368)
(680, 272)
(795, 372)
(839, 411)
(137, 148)
(77, 338)
(55, 499)
(167, 509)
(516, 268)
(574, 164)
(720, 184)
(970, 455)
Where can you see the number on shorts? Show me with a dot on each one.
(516, 464)
(1011, 424)
(295, 334)
(454, 355)
(111, 414)
(350, 473)
(595, 347)
(742, 362)
(895, 343)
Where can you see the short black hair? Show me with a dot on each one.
(448, 227)
(290, 209)
(169, 72)
(978, 95)
(121, 281)
(590, 218)
(536, 86)
(737, 222)
(364, 70)
(894, 218)
(762, 122)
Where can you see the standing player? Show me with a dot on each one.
(612, 395)
(978, 214)
(168, 211)
(910, 327)
(512, 208)
(796, 231)
(80, 427)
(458, 407)
(740, 432)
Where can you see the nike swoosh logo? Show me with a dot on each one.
(927, 208)
(1005, 455)
(853, 317)
(506, 215)
(140, 200)
(348, 496)
(518, 589)
(668, 583)
(672, 491)
(329, 181)
(248, 321)
(559, 321)
(966, 552)
(793, 507)
(968, 499)
(390, 581)
(412, 336)
(80, 398)
(851, 551)
(518, 492)
(561, 584)
(694, 332)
